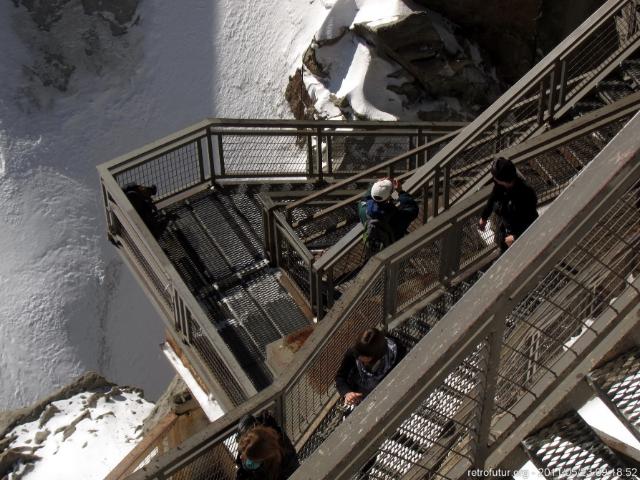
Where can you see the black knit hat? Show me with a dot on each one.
(372, 343)
(503, 170)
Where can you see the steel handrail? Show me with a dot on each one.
(367, 173)
(519, 153)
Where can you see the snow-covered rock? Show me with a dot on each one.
(80, 432)
(390, 60)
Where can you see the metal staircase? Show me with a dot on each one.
(515, 346)
(480, 367)
(305, 396)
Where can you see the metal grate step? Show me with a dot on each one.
(569, 449)
(618, 385)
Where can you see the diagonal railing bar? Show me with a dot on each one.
(367, 173)
(599, 194)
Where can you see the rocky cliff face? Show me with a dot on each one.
(515, 33)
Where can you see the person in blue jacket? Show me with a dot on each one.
(386, 212)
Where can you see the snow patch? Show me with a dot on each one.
(81, 442)
(584, 326)
(208, 404)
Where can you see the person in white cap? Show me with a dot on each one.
(386, 213)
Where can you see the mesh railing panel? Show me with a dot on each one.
(619, 380)
(600, 48)
(548, 173)
(476, 244)
(217, 367)
(320, 230)
(268, 154)
(441, 433)
(418, 274)
(170, 172)
(298, 267)
(215, 463)
(160, 286)
(350, 155)
(409, 333)
(350, 263)
(563, 305)
(311, 392)
(570, 449)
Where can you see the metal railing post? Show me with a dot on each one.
(309, 156)
(435, 194)
(390, 297)
(212, 167)
(277, 243)
(221, 155)
(319, 291)
(329, 155)
(563, 82)
(270, 238)
(200, 160)
(425, 202)
(315, 294)
(319, 147)
(446, 187)
(450, 254)
(490, 383)
(411, 147)
(553, 86)
(422, 157)
(541, 101)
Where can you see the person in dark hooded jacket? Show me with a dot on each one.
(365, 365)
(513, 201)
(265, 452)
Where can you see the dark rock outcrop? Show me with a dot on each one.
(515, 32)
(444, 63)
(70, 40)
(298, 98)
(119, 14)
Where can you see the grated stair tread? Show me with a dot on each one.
(569, 445)
(618, 384)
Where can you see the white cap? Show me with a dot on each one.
(381, 190)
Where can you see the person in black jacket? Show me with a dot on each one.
(366, 364)
(512, 200)
(265, 452)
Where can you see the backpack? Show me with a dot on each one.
(378, 235)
